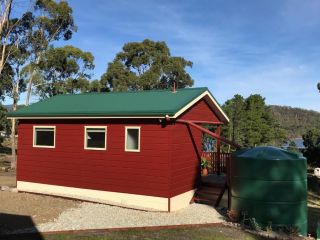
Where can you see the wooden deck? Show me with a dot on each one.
(214, 179)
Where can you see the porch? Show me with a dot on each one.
(215, 188)
(212, 190)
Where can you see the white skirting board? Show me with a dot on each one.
(181, 201)
(113, 198)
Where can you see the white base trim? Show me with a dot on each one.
(181, 201)
(113, 198)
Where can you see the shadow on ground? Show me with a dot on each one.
(10, 223)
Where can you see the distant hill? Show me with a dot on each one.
(296, 121)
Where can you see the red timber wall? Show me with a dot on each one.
(186, 149)
(69, 164)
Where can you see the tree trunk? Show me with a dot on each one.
(13, 144)
(31, 81)
(13, 137)
(15, 96)
(29, 90)
(4, 20)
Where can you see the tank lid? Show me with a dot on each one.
(267, 153)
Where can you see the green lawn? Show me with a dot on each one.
(199, 233)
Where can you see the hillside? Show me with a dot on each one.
(296, 121)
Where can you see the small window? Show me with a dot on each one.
(132, 142)
(44, 136)
(95, 138)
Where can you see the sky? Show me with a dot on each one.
(268, 47)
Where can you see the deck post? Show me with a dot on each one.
(218, 131)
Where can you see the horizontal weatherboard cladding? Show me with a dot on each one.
(142, 103)
(69, 164)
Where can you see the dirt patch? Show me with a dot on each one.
(8, 178)
(5, 159)
(23, 210)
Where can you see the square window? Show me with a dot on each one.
(132, 141)
(95, 138)
(44, 136)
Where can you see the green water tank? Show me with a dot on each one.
(270, 185)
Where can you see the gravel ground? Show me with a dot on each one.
(95, 216)
(24, 210)
(21, 212)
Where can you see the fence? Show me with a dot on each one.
(214, 165)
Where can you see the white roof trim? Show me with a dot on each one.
(203, 95)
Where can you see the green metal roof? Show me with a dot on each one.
(142, 103)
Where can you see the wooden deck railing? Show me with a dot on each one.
(216, 166)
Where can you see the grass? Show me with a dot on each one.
(200, 233)
(313, 204)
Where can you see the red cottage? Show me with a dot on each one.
(140, 149)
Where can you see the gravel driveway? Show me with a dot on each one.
(95, 216)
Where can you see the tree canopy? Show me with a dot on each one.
(28, 55)
(146, 65)
(251, 122)
(311, 140)
(64, 70)
(52, 21)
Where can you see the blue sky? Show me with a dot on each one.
(267, 47)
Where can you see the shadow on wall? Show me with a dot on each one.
(12, 226)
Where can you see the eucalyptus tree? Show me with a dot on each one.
(12, 75)
(53, 21)
(95, 86)
(146, 65)
(5, 11)
(64, 70)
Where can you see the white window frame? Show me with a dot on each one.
(43, 146)
(85, 138)
(125, 138)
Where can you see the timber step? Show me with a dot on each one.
(208, 194)
(204, 201)
(213, 184)
(209, 190)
